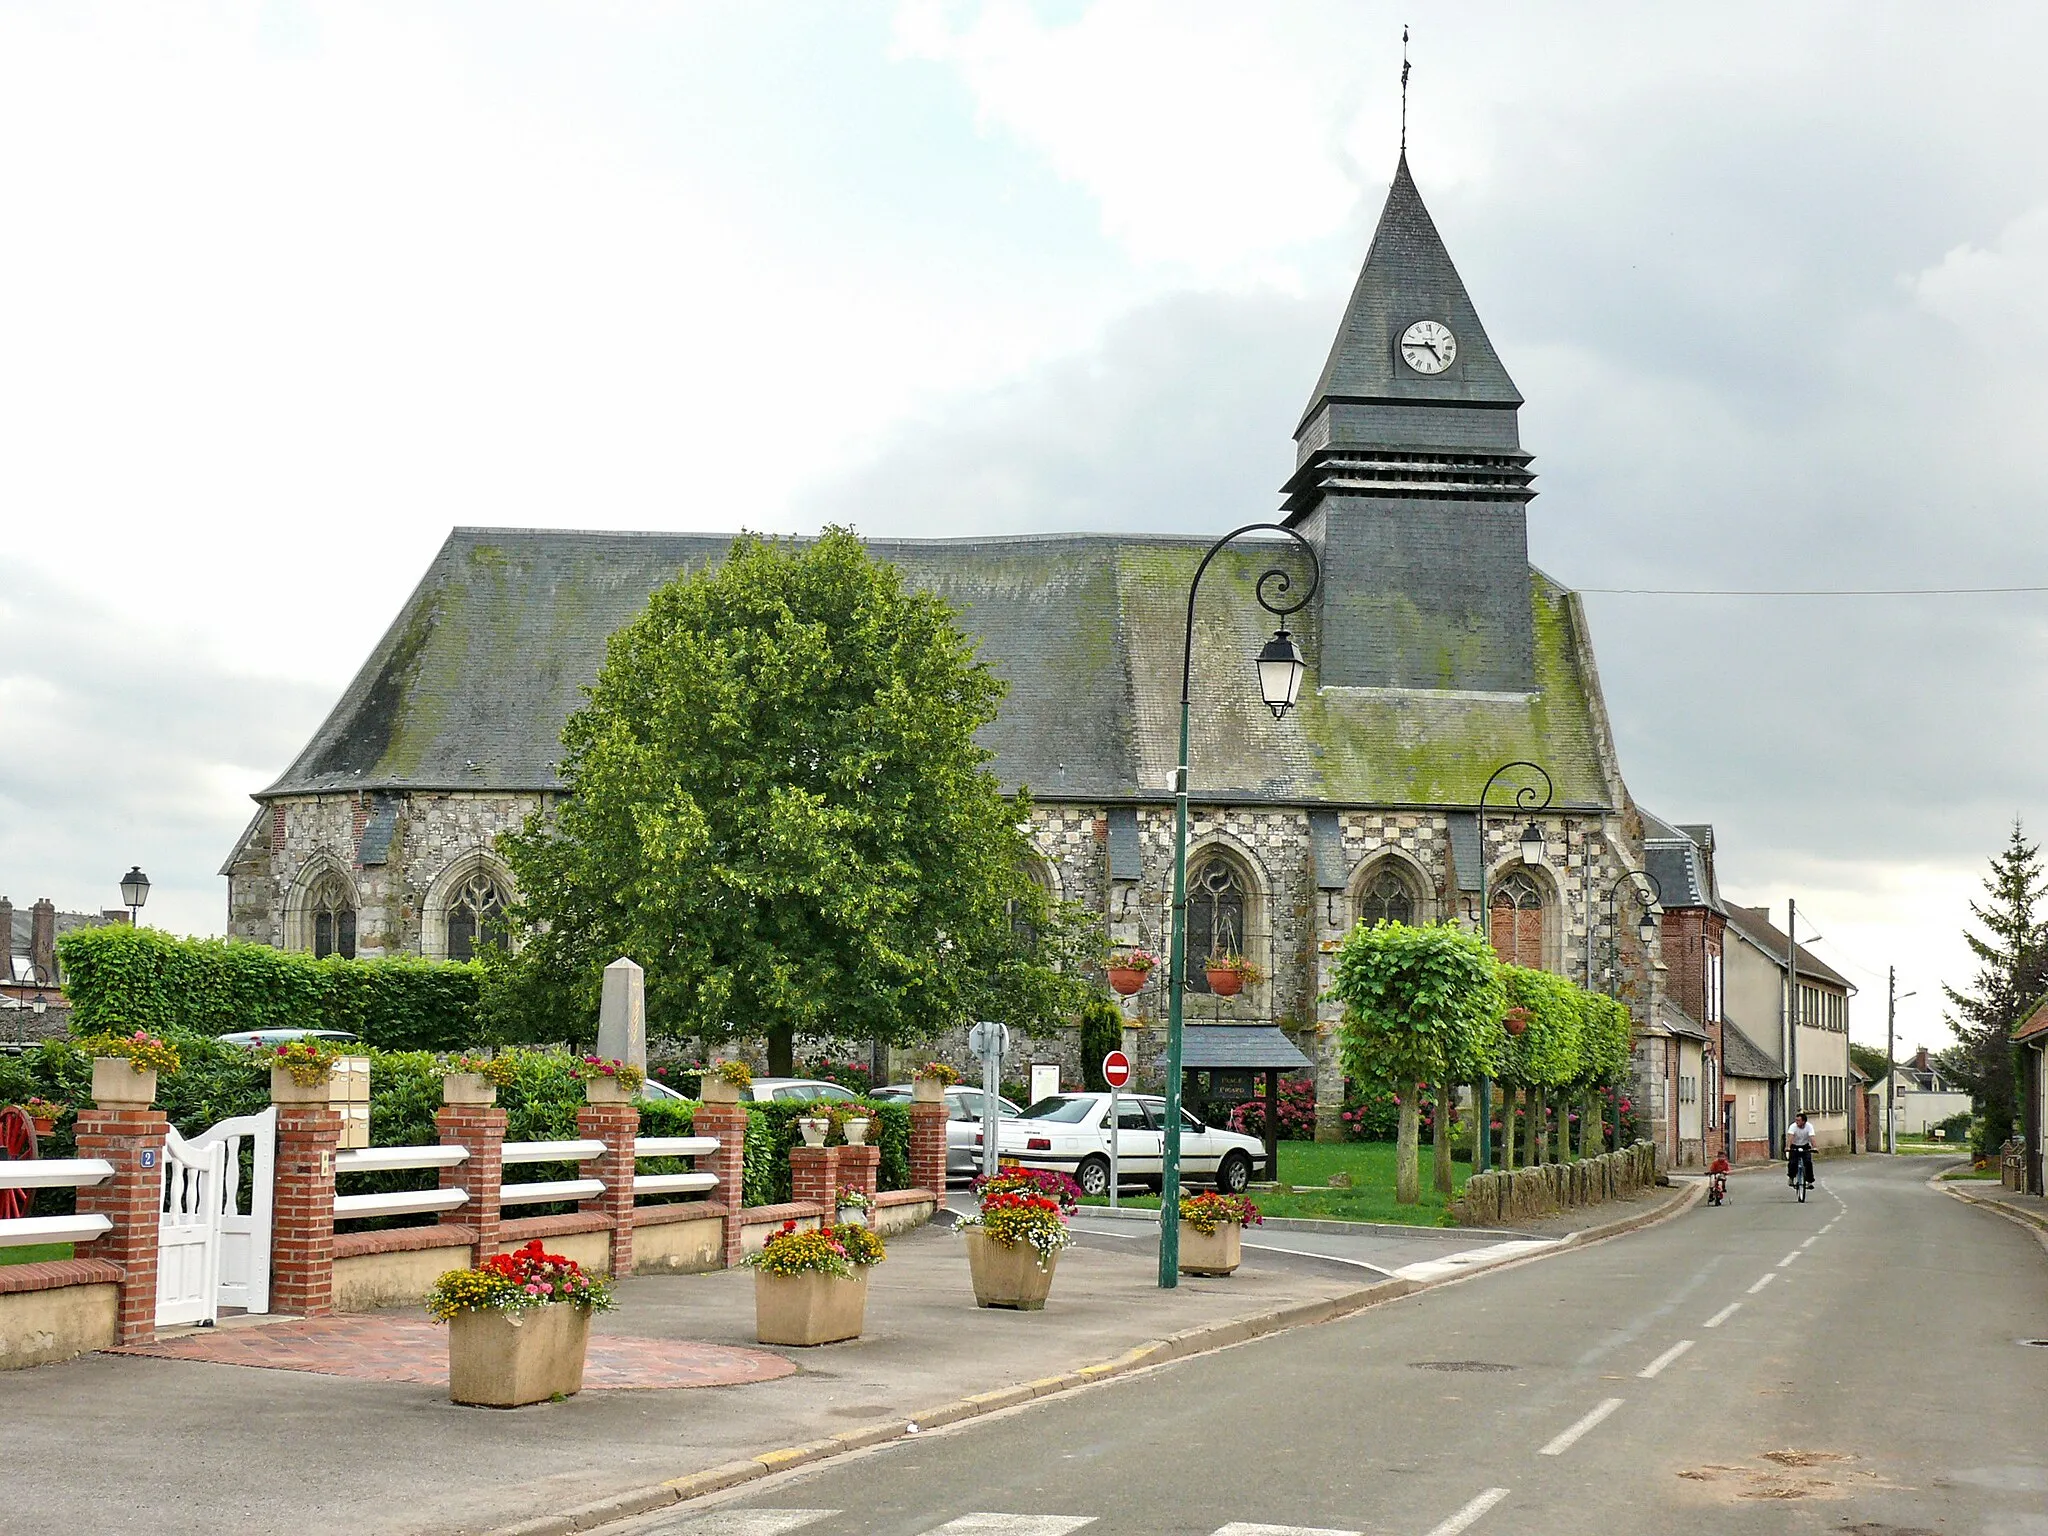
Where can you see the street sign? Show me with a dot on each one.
(991, 1042)
(984, 1035)
(1116, 1069)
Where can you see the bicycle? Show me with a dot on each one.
(1802, 1173)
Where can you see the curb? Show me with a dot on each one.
(1329, 1226)
(2035, 1223)
(1153, 1352)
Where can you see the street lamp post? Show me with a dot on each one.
(1280, 668)
(37, 977)
(134, 892)
(1646, 930)
(1532, 853)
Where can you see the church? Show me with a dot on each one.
(1436, 654)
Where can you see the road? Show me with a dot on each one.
(1853, 1364)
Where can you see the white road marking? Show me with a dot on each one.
(1246, 1528)
(1788, 1258)
(1458, 1263)
(1723, 1315)
(1649, 1372)
(741, 1522)
(1570, 1437)
(1767, 1279)
(1813, 1239)
(981, 1524)
(1465, 1518)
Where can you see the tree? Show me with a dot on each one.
(1606, 1045)
(1870, 1061)
(1418, 1001)
(2012, 972)
(778, 807)
(1547, 1054)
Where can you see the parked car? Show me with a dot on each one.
(963, 1123)
(763, 1090)
(285, 1036)
(1065, 1133)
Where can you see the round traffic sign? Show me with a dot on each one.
(1116, 1069)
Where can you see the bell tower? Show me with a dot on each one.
(1411, 481)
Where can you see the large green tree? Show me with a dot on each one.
(1419, 1004)
(2012, 971)
(1547, 1055)
(777, 806)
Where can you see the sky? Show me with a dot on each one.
(288, 290)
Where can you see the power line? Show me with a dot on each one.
(1805, 592)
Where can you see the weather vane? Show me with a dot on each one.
(1404, 89)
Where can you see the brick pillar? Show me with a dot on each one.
(481, 1129)
(814, 1175)
(132, 1140)
(302, 1223)
(615, 1125)
(928, 1147)
(728, 1123)
(859, 1168)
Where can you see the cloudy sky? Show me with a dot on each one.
(287, 290)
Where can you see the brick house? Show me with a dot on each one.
(1437, 653)
(2031, 1038)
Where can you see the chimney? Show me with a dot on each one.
(1920, 1060)
(7, 938)
(42, 936)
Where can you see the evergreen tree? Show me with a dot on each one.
(2012, 971)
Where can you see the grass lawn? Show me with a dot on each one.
(1965, 1173)
(1371, 1197)
(35, 1253)
(1933, 1148)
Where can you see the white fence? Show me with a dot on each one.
(53, 1173)
(415, 1202)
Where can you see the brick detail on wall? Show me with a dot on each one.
(860, 1168)
(928, 1147)
(728, 1123)
(302, 1226)
(482, 1131)
(133, 1201)
(615, 1125)
(814, 1175)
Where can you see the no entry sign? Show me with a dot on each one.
(1116, 1069)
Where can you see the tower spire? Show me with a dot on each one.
(1404, 88)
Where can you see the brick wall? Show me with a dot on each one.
(133, 1141)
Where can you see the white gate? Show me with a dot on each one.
(213, 1237)
(188, 1231)
(245, 1208)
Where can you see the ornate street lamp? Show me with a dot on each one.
(1532, 853)
(1646, 930)
(134, 892)
(1280, 668)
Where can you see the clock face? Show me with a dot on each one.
(1428, 346)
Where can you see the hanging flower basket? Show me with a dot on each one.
(1129, 972)
(1228, 974)
(1516, 1022)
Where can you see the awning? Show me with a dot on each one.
(1259, 1047)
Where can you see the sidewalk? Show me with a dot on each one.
(2031, 1209)
(274, 1443)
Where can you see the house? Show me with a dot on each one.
(1437, 654)
(1923, 1097)
(1810, 1048)
(2031, 1038)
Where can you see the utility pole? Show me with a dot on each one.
(1792, 1094)
(1891, 1054)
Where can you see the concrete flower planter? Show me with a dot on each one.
(809, 1309)
(814, 1131)
(286, 1089)
(116, 1083)
(856, 1133)
(1218, 1253)
(1007, 1274)
(713, 1089)
(928, 1090)
(468, 1088)
(507, 1359)
(606, 1090)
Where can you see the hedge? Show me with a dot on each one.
(772, 1131)
(139, 978)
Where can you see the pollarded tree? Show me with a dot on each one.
(1606, 1040)
(778, 807)
(1418, 1003)
(1545, 1056)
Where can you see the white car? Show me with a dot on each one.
(1066, 1134)
(963, 1123)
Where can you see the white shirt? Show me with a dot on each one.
(1797, 1135)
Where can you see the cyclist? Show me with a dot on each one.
(1798, 1149)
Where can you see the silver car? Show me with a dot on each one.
(963, 1123)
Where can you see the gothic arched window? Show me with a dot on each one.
(1216, 902)
(1021, 925)
(1386, 899)
(331, 919)
(476, 917)
(1518, 920)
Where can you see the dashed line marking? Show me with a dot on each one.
(742, 1522)
(1788, 1258)
(1767, 1279)
(1723, 1315)
(1813, 1239)
(1650, 1371)
(1570, 1437)
(1467, 1517)
(981, 1524)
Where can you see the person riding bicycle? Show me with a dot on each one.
(1799, 1149)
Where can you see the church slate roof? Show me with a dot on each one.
(470, 687)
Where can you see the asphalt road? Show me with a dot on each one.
(1853, 1364)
